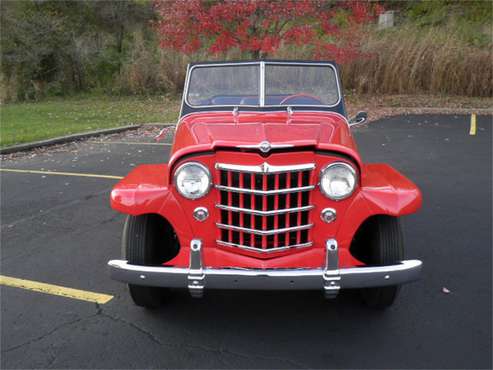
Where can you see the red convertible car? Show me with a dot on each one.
(264, 189)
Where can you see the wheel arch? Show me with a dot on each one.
(358, 246)
(165, 240)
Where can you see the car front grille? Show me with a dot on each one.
(264, 208)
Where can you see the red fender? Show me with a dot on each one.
(384, 191)
(145, 190)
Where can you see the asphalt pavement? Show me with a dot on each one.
(60, 230)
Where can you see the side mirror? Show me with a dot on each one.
(361, 117)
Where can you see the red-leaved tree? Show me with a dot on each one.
(260, 27)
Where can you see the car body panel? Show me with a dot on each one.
(382, 191)
(207, 131)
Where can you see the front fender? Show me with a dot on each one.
(384, 191)
(145, 190)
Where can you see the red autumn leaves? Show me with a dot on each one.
(260, 27)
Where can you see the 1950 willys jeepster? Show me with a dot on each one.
(264, 189)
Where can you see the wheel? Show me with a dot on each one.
(147, 240)
(386, 247)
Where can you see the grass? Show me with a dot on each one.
(26, 122)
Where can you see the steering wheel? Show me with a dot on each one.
(305, 97)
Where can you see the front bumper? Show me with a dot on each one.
(329, 278)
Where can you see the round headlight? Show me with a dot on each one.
(338, 180)
(192, 180)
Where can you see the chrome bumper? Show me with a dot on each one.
(330, 278)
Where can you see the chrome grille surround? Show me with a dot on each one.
(264, 208)
(265, 168)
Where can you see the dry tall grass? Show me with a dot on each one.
(403, 61)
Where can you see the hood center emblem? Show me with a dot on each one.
(264, 146)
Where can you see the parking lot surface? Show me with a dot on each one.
(60, 230)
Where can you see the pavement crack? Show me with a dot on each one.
(147, 333)
(99, 312)
(109, 220)
(47, 334)
(261, 357)
(220, 351)
(55, 208)
(51, 361)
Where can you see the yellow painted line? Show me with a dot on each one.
(82, 295)
(128, 143)
(61, 173)
(472, 130)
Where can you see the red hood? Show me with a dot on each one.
(322, 130)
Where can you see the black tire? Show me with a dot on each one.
(141, 246)
(386, 247)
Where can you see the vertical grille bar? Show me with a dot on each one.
(288, 205)
(298, 233)
(242, 215)
(264, 208)
(276, 206)
(254, 206)
(230, 201)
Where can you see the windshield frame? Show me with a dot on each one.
(262, 86)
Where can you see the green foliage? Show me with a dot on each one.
(428, 13)
(65, 46)
(473, 19)
(439, 11)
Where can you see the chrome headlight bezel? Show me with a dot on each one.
(182, 167)
(347, 166)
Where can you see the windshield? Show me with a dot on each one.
(277, 84)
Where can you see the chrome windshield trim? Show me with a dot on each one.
(265, 192)
(272, 250)
(262, 84)
(265, 168)
(262, 81)
(264, 213)
(264, 232)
